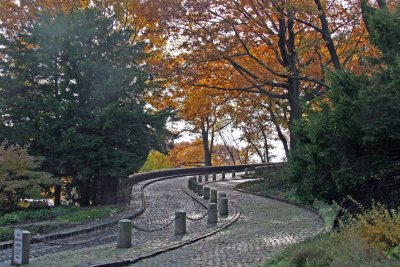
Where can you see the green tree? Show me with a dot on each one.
(72, 88)
(356, 131)
(19, 178)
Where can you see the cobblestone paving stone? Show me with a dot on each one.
(162, 200)
(264, 228)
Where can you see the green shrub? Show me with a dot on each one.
(6, 233)
(327, 211)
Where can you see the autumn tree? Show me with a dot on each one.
(190, 154)
(205, 112)
(279, 49)
(19, 177)
(156, 161)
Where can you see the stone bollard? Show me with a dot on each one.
(124, 234)
(223, 206)
(223, 175)
(200, 179)
(206, 177)
(195, 187)
(213, 196)
(214, 176)
(220, 195)
(180, 222)
(233, 174)
(21, 247)
(190, 183)
(212, 214)
(206, 193)
(200, 189)
(246, 171)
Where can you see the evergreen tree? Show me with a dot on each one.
(72, 88)
(356, 131)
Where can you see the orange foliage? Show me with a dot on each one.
(190, 154)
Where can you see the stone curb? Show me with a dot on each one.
(173, 247)
(300, 205)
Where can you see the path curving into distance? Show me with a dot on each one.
(264, 228)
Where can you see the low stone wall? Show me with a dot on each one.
(125, 185)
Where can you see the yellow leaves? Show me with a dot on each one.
(378, 227)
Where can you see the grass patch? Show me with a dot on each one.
(61, 214)
(32, 215)
(330, 249)
(79, 215)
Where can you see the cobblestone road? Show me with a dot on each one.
(162, 200)
(264, 228)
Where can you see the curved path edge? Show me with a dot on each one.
(300, 205)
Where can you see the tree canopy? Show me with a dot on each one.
(72, 88)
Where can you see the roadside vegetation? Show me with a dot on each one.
(369, 239)
(59, 216)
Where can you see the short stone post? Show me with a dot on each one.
(21, 247)
(213, 196)
(206, 177)
(180, 222)
(206, 192)
(195, 187)
(200, 189)
(220, 195)
(212, 213)
(223, 175)
(190, 183)
(214, 175)
(223, 206)
(233, 174)
(124, 234)
(200, 179)
(246, 171)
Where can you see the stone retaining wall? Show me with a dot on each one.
(125, 184)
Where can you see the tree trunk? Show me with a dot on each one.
(85, 193)
(326, 35)
(266, 148)
(206, 147)
(57, 195)
(295, 110)
(95, 191)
